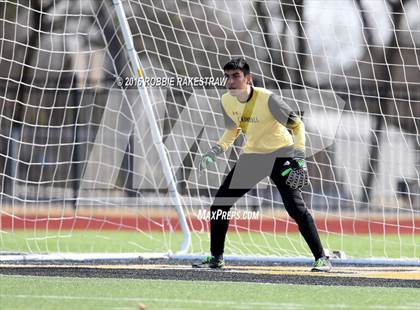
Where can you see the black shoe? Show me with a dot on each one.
(214, 262)
(322, 264)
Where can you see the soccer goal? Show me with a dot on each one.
(107, 106)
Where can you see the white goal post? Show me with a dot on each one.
(152, 122)
(107, 106)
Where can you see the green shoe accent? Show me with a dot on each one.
(322, 264)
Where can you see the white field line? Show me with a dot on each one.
(235, 304)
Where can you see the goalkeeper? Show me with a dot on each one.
(270, 150)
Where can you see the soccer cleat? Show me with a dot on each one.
(214, 262)
(322, 264)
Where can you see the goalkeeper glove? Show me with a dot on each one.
(210, 157)
(296, 172)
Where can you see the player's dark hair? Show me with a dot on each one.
(237, 63)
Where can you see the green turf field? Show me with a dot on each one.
(19, 292)
(28, 292)
(391, 246)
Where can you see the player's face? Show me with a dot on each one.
(236, 81)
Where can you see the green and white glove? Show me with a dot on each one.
(296, 173)
(210, 157)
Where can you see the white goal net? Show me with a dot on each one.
(82, 163)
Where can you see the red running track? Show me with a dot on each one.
(347, 226)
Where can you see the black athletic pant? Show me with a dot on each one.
(248, 171)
